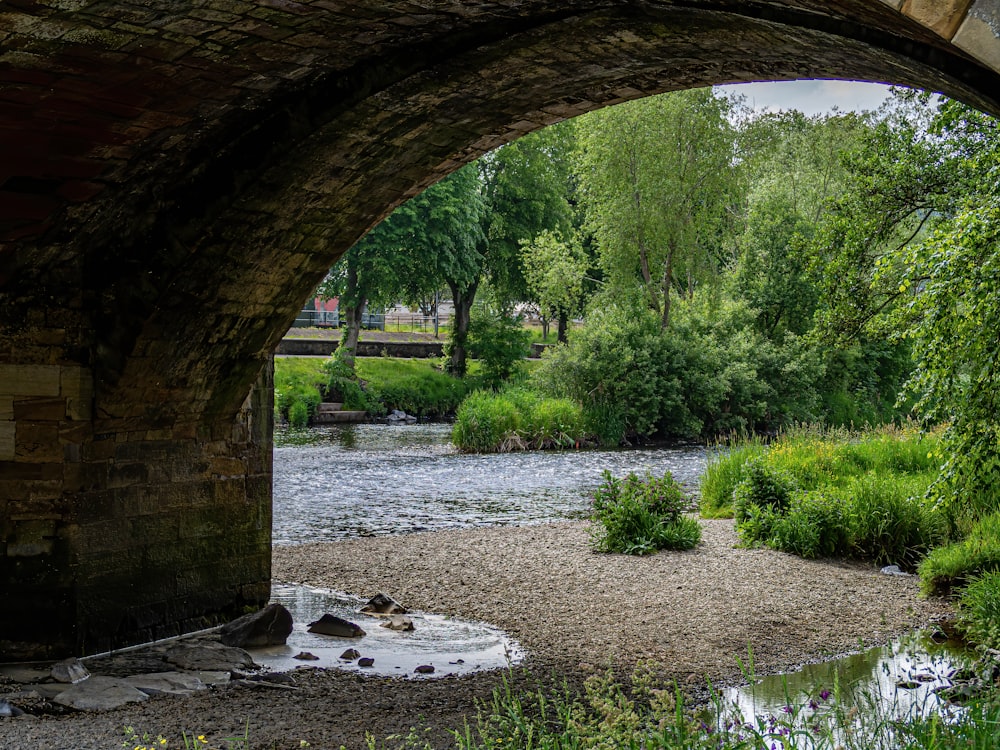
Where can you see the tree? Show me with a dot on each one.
(554, 270)
(526, 186)
(432, 237)
(657, 178)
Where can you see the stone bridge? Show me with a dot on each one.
(177, 175)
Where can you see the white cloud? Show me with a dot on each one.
(811, 97)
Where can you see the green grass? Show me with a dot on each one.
(979, 610)
(416, 386)
(948, 568)
(842, 493)
(516, 419)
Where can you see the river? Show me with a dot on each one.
(344, 481)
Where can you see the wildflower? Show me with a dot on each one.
(787, 709)
(824, 695)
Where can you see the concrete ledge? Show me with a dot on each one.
(325, 347)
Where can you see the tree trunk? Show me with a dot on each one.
(353, 314)
(545, 327)
(463, 299)
(563, 326)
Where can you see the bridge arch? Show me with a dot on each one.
(176, 178)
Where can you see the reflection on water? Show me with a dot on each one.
(343, 481)
(902, 678)
(452, 646)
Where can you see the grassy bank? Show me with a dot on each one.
(416, 386)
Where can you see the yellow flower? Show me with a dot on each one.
(202, 740)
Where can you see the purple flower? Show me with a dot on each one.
(813, 704)
(824, 694)
(787, 709)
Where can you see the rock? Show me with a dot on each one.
(270, 626)
(70, 671)
(398, 622)
(23, 675)
(350, 654)
(166, 683)
(424, 669)
(274, 678)
(332, 625)
(100, 693)
(208, 656)
(381, 604)
(893, 570)
(9, 710)
(366, 661)
(306, 656)
(400, 416)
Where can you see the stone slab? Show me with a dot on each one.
(100, 694)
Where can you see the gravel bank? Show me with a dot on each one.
(574, 611)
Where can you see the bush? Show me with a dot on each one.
(342, 385)
(948, 568)
(415, 386)
(722, 473)
(890, 520)
(516, 419)
(816, 526)
(761, 487)
(979, 610)
(641, 515)
(298, 414)
(500, 344)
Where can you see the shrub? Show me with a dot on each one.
(343, 385)
(722, 473)
(298, 414)
(762, 487)
(979, 610)
(890, 520)
(816, 526)
(948, 568)
(641, 515)
(500, 344)
(484, 423)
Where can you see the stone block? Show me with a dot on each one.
(941, 16)
(7, 441)
(31, 538)
(51, 409)
(29, 380)
(38, 442)
(979, 35)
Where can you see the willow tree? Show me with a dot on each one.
(658, 177)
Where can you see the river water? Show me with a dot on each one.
(344, 481)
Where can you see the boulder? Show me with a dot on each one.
(350, 654)
(208, 656)
(424, 669)
(100, 693)
(9, 710)
(70, 671)
(381, 604)
(306, 656)
(398, 622)
(166, 683)
(332, 625)
(366, 661)
(270, 626)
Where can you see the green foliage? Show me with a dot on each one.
(950, 567)
(761, 486)
(416, 386)
(957, 380)
(297, 380)
(638, 516)
(298, 414)
(516, 419)
(657, 177)
(500, 344)
(343, 386)
(979, 610)
(819, 492)
(725, 470)
(554, 269)
(646, 714)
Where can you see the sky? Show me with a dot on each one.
(811, 97)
